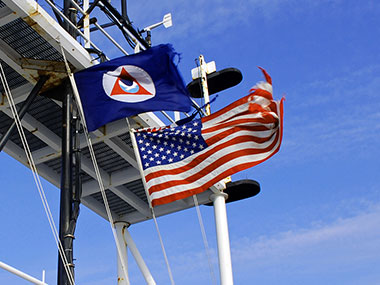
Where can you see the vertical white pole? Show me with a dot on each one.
(137, 48)
(138, 258)
(221, 224)
(177, 116)
(86, 24)
(122, 278)
(203, 70)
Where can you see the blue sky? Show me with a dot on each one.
(316, 220)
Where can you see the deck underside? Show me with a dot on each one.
(30, 46)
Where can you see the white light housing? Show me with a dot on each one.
(166, 21)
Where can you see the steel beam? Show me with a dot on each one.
(19, 94)
(36, 89)
(6, 16)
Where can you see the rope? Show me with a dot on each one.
(35, 175)
(95, 163)
(204, 237)
(105, 200)
(163, 249)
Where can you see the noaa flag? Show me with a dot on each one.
(129, 85)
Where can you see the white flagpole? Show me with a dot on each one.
(221, 224)
(218, 199)
(203, 73)
(138, 159)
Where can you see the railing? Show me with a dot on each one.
(23, 275)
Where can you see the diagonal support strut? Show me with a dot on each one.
(33, 94)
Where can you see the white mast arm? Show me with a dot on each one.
(21, 274)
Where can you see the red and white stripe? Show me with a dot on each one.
(241, 135)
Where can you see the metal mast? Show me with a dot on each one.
(66, 222)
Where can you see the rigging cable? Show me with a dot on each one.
(204, 237)
(35, 174)
(163, 248)
(94, 162)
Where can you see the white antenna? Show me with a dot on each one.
(166, 21)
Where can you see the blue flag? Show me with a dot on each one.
(129, 85)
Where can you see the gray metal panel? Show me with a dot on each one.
(137, 187)
(27, 42)
(48, 112)
(14, 79)
(33, 141)
(127, 139)
(55, 164)
(107, 159)
(116, 204)
(86, 177)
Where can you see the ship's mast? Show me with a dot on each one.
(66, 231)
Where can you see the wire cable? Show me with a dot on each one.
(163, 248)
(204, 237)
(35, 175)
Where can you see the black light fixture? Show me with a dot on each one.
(239, 190)
(217, 81)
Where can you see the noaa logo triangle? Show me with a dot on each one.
(122, 86)
(129, 83)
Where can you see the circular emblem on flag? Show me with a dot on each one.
(129, 83)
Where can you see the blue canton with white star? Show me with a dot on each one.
(171, 144)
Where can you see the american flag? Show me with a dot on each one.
(180, 161)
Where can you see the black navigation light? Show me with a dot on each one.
(240, 190)
(217, 81)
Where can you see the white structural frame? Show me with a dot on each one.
(122, 256)
(125, 241)
(138, 258)
(24, 275)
